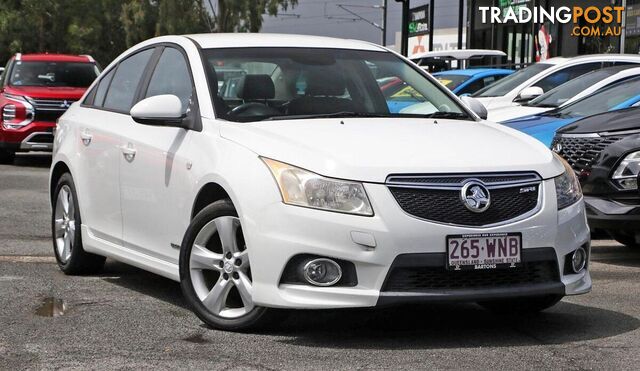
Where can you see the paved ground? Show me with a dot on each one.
(127, 318)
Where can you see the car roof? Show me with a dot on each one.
(46, 57)
(474, 71)
(236, 40)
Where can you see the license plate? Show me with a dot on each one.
(484, 251)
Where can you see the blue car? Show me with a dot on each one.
(543, 126)
(468, 81)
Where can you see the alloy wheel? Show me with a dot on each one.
(219, 268)
(64, 223)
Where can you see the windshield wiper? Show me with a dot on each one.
(325, 115)
(446, 115)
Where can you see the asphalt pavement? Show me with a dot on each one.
(126, 318)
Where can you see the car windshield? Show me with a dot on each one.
(255, 84)
(556, 97)
(68, 74)
(452, 81)
(602, 101)
(505, 85)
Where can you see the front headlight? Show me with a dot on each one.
(568, 190)
(304, 188)
(626, 175)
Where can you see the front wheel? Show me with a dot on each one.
(526, 305)
(215, 271)
(6, 157)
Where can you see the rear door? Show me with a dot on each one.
(155, 177)
(100, 130)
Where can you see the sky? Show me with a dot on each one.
(325, 18)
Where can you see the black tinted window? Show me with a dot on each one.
(171, 76)
(558, 78)
(126, 80)
(102, 89)
(72, 74)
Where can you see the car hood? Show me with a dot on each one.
(618, 120)
(370, 149)
(492, 103)
(513, 112)
(541, 127)
(42, 92)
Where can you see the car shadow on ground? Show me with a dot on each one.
(42, 160)
(418, 326)
(616, 255)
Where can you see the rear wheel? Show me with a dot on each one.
(215, 271)
(6, 157)
(627, 238)
(65, 226)
(517, 306)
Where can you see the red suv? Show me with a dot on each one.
(35, 90)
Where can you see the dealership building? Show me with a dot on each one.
(524, 43)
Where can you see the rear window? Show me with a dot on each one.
(52, 74)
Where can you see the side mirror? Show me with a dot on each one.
(475, 105)
(159, 110)
(529, 93)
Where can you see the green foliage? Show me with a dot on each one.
(106, 28)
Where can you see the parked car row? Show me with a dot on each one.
(583, 108)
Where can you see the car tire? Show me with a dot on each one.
(208, 267)
(516, 306)
(6, 157)
(66, 232)
(626, 238)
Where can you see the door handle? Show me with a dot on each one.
(86, 137)
(129, 152)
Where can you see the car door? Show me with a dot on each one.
(155, 176)
(100, 130)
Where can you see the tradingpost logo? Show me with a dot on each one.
(596, 20)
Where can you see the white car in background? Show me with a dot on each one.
(302, 190)
(535, 80)
(566, 93)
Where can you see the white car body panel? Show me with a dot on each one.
(558, 63)
(137, 211)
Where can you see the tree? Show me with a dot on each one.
(246, 15)
(106, 28)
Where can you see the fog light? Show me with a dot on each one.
(578, 260)
(322, 272)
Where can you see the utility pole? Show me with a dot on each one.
(431, 16)
(384, 23)
(404, 43)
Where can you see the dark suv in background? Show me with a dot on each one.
(35, 90)
(604, 150)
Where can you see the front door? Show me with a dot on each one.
(155, 168)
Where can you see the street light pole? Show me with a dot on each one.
(404, 44)
(384, 23)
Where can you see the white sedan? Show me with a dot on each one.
(292, 184)
(537, 79)
(567, 93)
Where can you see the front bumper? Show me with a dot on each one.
(608, 214)
(279, 232)
(37, 136)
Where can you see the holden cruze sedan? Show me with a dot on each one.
(267, 171)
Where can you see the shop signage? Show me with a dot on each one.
(419, 21)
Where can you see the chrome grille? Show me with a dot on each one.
(49, 110)
(51, 104)
(438, 198)
(581, 151)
